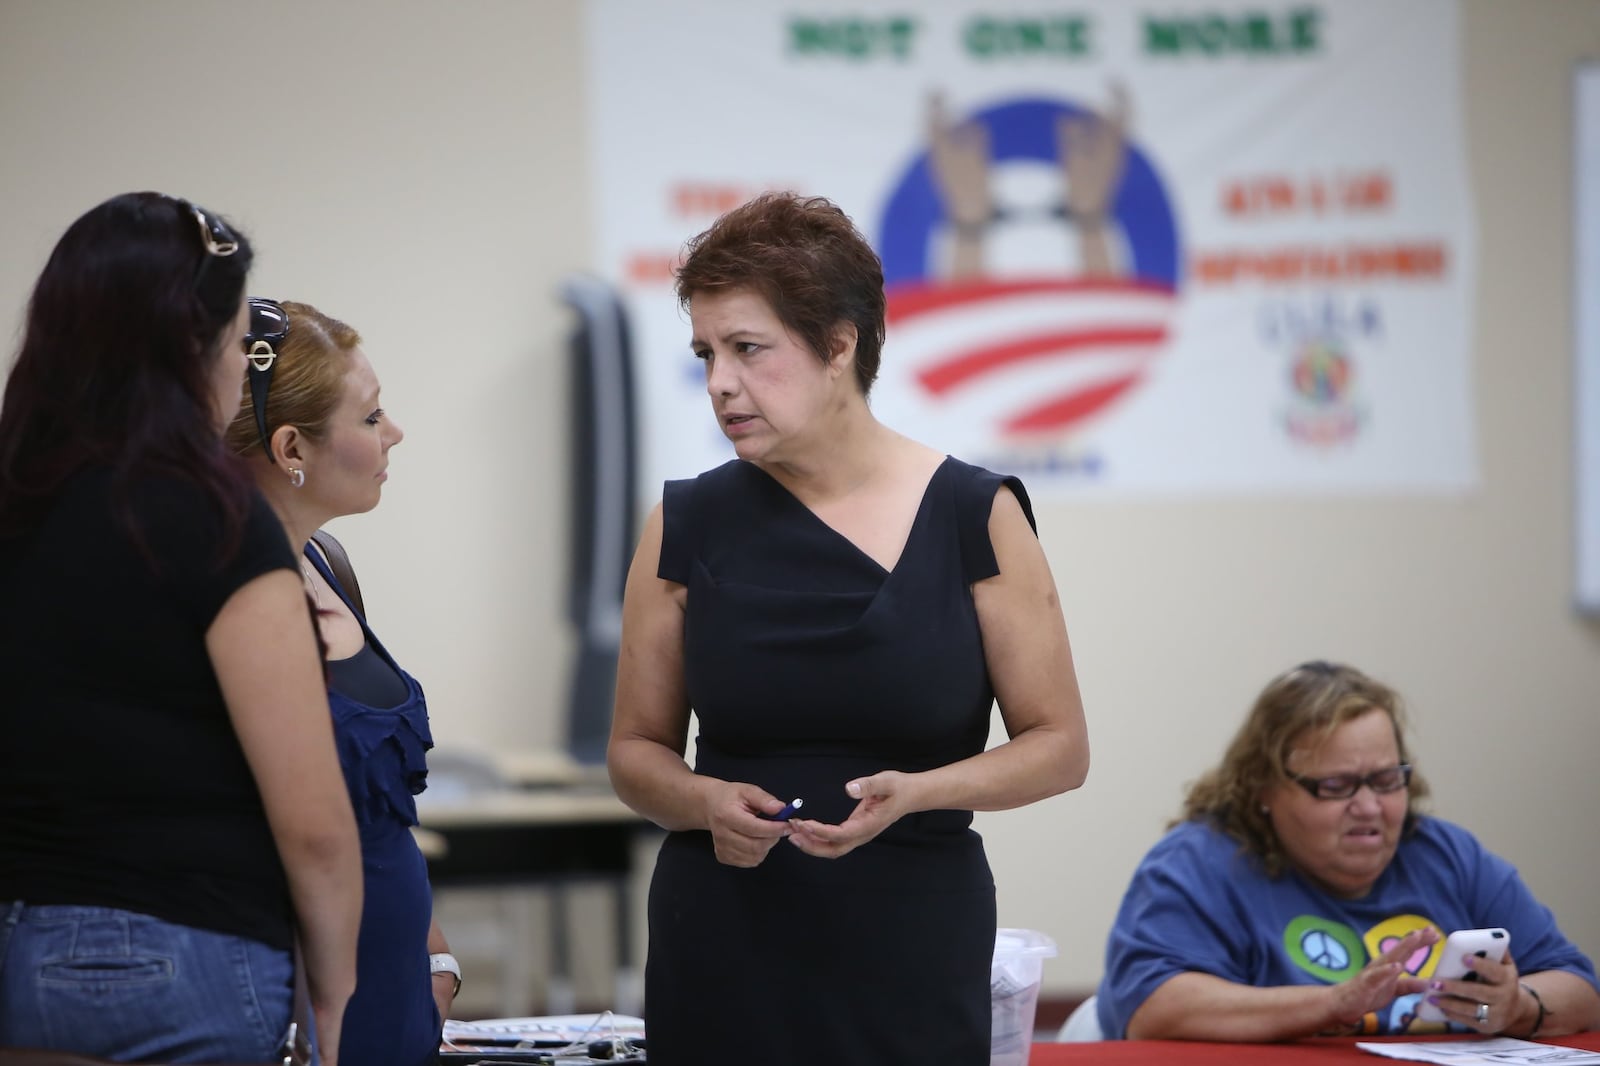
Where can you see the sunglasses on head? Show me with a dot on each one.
(216, 238)
(269, 325)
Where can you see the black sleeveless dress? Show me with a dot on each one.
(808, 665)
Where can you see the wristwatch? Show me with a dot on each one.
(444, 962)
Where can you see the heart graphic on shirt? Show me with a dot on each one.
(1418, 958)
(1382, 938)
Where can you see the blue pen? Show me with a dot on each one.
(788, 810)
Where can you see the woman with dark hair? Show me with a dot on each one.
(841, 607)
(1305, 892)
(171, 809)
(316, 439)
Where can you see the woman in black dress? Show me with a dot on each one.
(840, 607)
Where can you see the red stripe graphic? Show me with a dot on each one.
(911, 299)
(1071, 407)
(941, 377)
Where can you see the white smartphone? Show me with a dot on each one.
(1484, 943)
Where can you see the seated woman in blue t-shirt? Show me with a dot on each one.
(1304, 893)
(317, 442)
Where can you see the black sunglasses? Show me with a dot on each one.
(269, 325)
(215, 237)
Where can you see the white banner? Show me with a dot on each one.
(1129, 248)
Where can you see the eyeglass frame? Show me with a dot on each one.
(1313, 785)
(260, 349)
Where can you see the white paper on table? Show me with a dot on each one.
(553, 1027)
(1497, 1051)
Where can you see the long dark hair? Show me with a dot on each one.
(116, 359)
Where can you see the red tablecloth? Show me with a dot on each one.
(1170, 1052)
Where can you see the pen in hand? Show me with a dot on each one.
(788, 810)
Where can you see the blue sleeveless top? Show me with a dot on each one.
(392, 1019)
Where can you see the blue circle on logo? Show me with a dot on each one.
(1026, 130)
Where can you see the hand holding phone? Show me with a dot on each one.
(1488, 944)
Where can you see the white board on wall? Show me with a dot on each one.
(1586, 333)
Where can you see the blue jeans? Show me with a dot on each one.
(121, 985)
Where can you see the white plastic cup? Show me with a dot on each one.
(1014, 979)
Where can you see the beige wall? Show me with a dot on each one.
(419, 169)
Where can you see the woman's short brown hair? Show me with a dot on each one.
(307, 379)
(1314, 698)
(806, 258)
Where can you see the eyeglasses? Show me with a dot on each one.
(269, 325)
(1343, 786)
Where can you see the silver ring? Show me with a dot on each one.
(1483, 1013)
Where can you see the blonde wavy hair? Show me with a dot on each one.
(307, 379)
(1299, 707)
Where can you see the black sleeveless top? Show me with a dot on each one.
(808, 664)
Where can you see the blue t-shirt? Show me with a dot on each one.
(1199, 903)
